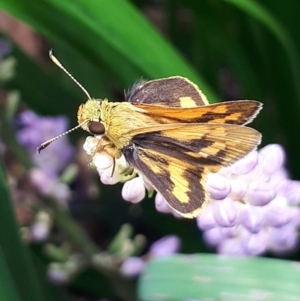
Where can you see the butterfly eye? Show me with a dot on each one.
(96, 127)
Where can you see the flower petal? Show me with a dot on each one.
(218, 186)
(259, 194)
(206, 218)
(225, 213)
(132, 266)
(271, 158)
(134, 190)
(252, 218)
(167, 245)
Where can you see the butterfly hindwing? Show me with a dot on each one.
(182, 185)
(211, 145)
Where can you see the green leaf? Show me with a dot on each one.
(111, 34)
(8, 290)
(215, 277)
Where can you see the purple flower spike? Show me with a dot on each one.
(231, 246)
(245, 165)
(252, 218)
(218, 186)
(213, 237)
(34, 130)
(238, 189)
(259, 194)
(231, 231)
(255, 244)
(206, 219)
(5, 47)
(283, 239)
(134, 190)
(278, 213)
(161, 205)
(225, 213)
(292, 192)
(271, 158)
(260, 209)
(133, 266)
(167, 245)
(49, 185)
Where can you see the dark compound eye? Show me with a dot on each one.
(96, 127)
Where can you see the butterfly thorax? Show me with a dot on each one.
(121, 119)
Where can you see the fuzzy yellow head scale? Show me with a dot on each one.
(89, 111)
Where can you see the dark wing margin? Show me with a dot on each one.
(173, 91)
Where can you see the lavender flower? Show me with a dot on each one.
(104, 164)
(41, 227)
(260, 212)
(165, 246)
(7, 64)
(5, 47)
(34, 130)
(49, 184)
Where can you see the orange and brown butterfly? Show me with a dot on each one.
(170, 134)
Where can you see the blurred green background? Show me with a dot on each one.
(233, 49)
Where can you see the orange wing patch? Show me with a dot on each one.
(238, 112)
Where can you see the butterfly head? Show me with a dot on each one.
(89, 117)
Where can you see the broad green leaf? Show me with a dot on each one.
(215, 277)
(8, 290)
(111, 34)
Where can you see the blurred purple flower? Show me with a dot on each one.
(40, 229)
(5, 47)
(49, 184)
(165, 246)
(34, 130)
(133, 266)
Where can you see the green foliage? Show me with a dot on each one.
(212, 277)
(107, 45)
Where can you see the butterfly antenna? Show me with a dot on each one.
(48, 142)
(58, 63)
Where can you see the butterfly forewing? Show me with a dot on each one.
(174, 91)
(182, 185)
(231, 112)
